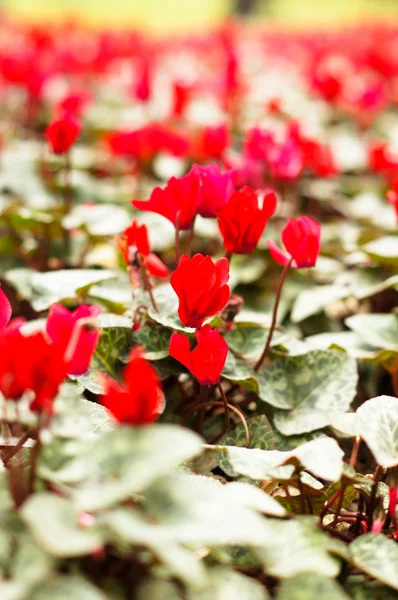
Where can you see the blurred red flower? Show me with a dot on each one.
(63, 132)
(212, 141)
(177, 202)
(135, 239)
(138, 400)
(42, 371)
(242, 221)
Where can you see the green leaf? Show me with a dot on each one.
(246, 269)
(20, 174)
(360, 588)
(76, 417)
(358, 284)
(31, 564)
(383, 250)
(297, 546)
(237, 371)
(224, 583)
(312, 301)
(43, 289)
(167, 303)
(347, 340)
(53, 521)
(115, 293)
(345, 423)
(181, 562)
(377, 424)
(114, 342)
(98, 219)
(377, 330)
(310, 586)
(194, 511)
(12, 590)
(249, 342)
(68, 588)
(377, 556)
(155, 341)
(254, 498)
(365, 486)
(154, 589)
(306, 387)
(261, 435)
(128, 460)
(322, 457)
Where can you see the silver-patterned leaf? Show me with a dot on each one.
(377, 421)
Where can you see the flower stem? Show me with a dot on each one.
(146, 282)
(289, 497)
(67, 201)
(231, 407)
(354, 453)
(360, 516)
(203, 398)
(274, 316)
(328, 504)
(340, 503)
(15, 449)
(225, 401)
(228, 255)
(372, 503)
(190, 239)
(35, 455)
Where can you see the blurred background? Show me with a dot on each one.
(163, 16)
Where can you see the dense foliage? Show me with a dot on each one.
(198, 315)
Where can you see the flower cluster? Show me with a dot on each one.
(64, 348)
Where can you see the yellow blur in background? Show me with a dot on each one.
(163, 16)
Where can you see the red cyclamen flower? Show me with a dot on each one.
(139, 399)
(242, 221)
(11, 367)
(207, 359)
(135, 239)
(63, 132)
(216, 189)
(5, 310)
(177, 202)
(201, 287)
(75, 334)
(41, 373)
(212, 142)
(301, 238)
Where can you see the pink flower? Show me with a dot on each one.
(216, 189)
(75, 334)
(5, 310)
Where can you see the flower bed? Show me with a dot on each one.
(198, 314)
